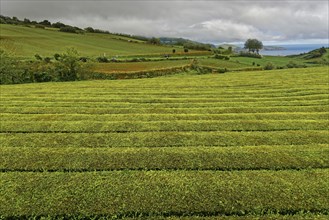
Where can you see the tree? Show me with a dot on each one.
(253, 45)
(58, 25)
(89, 29)
(69, 67)
(154, 40)
(45, 23)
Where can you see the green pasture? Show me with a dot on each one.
(27, 41)
(218, 63)
(278, 61)
(238, 145)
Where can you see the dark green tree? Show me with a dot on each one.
(253, 45)
(154, 40)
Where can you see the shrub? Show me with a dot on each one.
(57, 56)
(222, 70)
(39, 26)
(102, 59)
(47, 59)
(11, 70)
(58, 25)
(83, 59)
(38, 57)
(42, 77)
(222, 57)
(269, 66)
(68, 29)
(89, 30)
(69, 68)
(185, 50)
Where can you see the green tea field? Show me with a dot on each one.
(239, 145)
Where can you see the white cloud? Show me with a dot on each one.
(211, 21)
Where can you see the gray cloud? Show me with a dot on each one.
(208, 21)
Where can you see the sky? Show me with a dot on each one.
(221, 21)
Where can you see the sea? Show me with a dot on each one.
(292, 49)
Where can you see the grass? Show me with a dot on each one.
(25, 42)
(217, 63)
(239, 145)
(278, 61)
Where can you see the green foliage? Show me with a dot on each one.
(69, 67)
(38, 57)
(253, 45)
(222, 57)
(58, 25)
(68, 29)
(269, 66)
(154, 40)
(197, 46)
(102, 59)
(292, 64)
(11, 70)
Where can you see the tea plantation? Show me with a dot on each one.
(239, 145)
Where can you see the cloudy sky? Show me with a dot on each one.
(274, 22)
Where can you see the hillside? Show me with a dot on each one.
(240, 145)
(28, 41)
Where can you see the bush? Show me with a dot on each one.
(58, 25)
(222, 57)
(11, 70)
(68, 29)
(102, 59)
(42, 77)
(269, 66)
(57, 56)
(39, 26)
(69, 68)
(83, 59)
(38, 57)
(222, 70)
(47, 59)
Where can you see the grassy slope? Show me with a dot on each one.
(27, 42)
(236, 143)
(282, 61)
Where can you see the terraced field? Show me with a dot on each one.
(235, 145)
(139, 66)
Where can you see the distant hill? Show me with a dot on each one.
(274, 48)
(186, 43)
